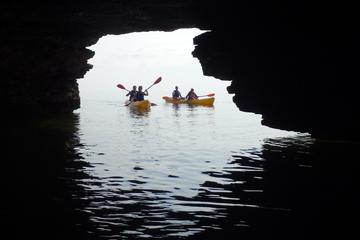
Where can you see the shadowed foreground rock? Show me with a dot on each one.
(293, 62)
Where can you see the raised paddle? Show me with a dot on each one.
(209, 95)
(122, 87)
(156, 82)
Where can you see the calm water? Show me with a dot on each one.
(175, 172)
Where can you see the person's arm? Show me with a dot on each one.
(146, 93)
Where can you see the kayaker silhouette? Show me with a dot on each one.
(191, 95)
(176, 93)
(132, 94)
(140, 94)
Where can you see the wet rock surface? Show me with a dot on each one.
(293, 62)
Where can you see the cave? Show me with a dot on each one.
(293, 63)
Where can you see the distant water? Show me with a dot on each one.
(175, 172)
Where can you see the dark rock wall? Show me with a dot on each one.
(294, 62)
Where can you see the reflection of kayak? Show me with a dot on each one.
(142, 105)
(202, 101)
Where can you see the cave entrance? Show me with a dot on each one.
(139, 59)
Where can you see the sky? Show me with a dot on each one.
(139, 59)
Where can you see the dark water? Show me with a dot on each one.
(172, 174)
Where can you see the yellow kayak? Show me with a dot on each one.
(202, 101)
(142, 105)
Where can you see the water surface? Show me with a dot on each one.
(173, 171)
(107, 172)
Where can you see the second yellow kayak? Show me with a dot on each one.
(202, 101)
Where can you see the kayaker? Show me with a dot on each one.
(132, 94)
(140, 94)
(191, 95)
(176, 93)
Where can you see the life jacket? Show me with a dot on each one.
(132, 95)
(140, 96)
(191, 95)
(176, 94)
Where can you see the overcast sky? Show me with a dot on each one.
(139, 59)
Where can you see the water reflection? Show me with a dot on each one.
(138, 112)
(42, 168)
(176, 110)
(269, 192)
(259, 193)
(132, 209)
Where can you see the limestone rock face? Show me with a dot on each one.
(293, 62)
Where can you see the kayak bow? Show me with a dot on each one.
(142, 105)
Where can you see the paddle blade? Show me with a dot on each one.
(157, 80)
(209, 95)
(120, 86)
(165, 97)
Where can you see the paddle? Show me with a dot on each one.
(209, 95)
(156, 82)
(122, 87)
